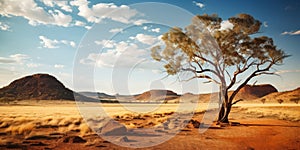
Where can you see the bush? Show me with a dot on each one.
(263, 100)
(295, 100)
(280, 101)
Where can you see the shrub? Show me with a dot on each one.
(280, 101)
(263, 100)
(295, 100)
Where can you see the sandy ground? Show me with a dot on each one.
(60, 125)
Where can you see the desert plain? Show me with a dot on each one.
(62, 125)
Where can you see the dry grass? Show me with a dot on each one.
(281, 113)
(22, 129)
(66, 118)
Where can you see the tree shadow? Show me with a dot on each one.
(268, 125)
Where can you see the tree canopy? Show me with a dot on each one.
(219, 54)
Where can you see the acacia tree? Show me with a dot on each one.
(229, 57)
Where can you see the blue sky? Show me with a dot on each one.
(94, 37)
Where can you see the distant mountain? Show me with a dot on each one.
(286, 96)
(157, 95)
(97, 95)
(39, 87)
(250, 92)
(247, 93)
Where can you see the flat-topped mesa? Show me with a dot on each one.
(258, 90)
(157, 95)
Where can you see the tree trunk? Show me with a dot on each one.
(225, 114)
(225, 108)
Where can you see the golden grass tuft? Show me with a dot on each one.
(84, 129)
(22, 129)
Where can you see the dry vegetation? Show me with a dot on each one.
(29, 122)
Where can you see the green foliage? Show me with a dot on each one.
(219, 55)
(228, 47)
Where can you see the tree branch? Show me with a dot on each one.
(237, 101)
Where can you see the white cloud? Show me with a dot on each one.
(62, 4)
(98, 12)
(125, 54)
(116, 30)
(265, 24)
(33, 65)
(106, 43)
(14, 59)
(88, 27)
(145, 39)
(200, 5)
(72, 44)
(226, 24)
(4, 26)
(291, 33)
(287, 71)
(157, 30)
(35, 14)
(79, 23)
(59, 66)
(48, 43)
(140, 22)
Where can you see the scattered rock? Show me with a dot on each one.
(38, 144)
(113, 128)
(15, 146)
(74, 139)
(39, 137)
(3, 133)
(195, 123)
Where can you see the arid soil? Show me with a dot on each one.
(60, 126)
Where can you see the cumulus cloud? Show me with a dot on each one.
(145, 39)
(287, 71)
(64, 5)
(265, 24)
(35, 14)
(48, 43)
(79, 23)
(145, 27)
(59, 66)
(96, 13)
(140, 22)
(291, 33)
(33, 65)
(123, 55)
(226, 24)
(4, 26)
(200, 5)
(88, 27)
(116, 30)
(157, 30)
(14, 59)
(106, 43)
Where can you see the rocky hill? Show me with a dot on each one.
(38, 87)
(157, 95)
(250, 92)
(292, 96)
